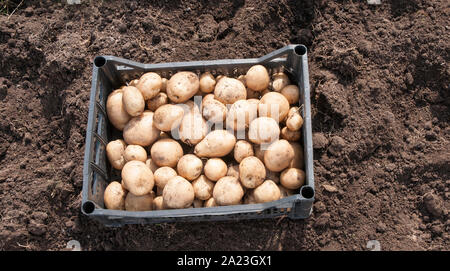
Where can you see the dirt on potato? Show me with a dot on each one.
(379, 79)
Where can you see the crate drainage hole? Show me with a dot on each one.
(300, 50)
(88, 207)
(307, 192)
(99, 61)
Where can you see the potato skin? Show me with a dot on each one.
(117, 114)
(257, 78)
(292, 93)
(178, 193)
(233, 171)
(217, 143)
(294, 120)
(149, 85)
(269, 103)
(137, 178)
(228, 191)
(290, 135)
(133, 101)
(182, 86)
(158, 203)
(215, 168)
(193, 128)
(140, 130)
(168, 117)
(266, 192)
(279, 155)
(240, 114)
(190, 167)
(151, 164)
(229, 90)
(138, 203)
(210, 203)
(114, 196)
(292, 178)
(135, 152)
(166, 152)
(263, 130)
(251, 172)
(213, 110)
(207, 82)
(242, 149)
(157, 101)
(203, 187)
(280, 80)
(115, 153)
(162, 175)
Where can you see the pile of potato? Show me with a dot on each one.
(192, 142)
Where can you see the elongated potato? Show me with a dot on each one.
(193, 128)
(228, 191)
(182, 86)
(240, 115)
(217, 143)
(251, 172)
(290, 135)
(213, 110)
(257, 78)
(168, 117)
(280, 80)
(229, 90)
(166, 152)
(157, 101)
(190, 167)
(149, 85)
(115, 151)
(135, 152)
(178, 193)
(294, 120)
(215, 168)
(114, 196)
(133, 101)
(117, 114)
(137, 178)
(279, 155)
(242, 149)
(207, 82)
(292, 93)
(139, 203)
(140, 130)
(273, 105)
(203, 187)
(263, 130)
(292, 178)
(162, 175)
(266, 192)
(298, 161)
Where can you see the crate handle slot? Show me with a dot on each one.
(98, 170)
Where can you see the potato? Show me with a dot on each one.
(259, 152)
(117, 114)
(298, 161)
(157, 101)
(215, 168)
(210, 203)
(133, 101)
(240, 115)
(263, 130)
(207, 82)
(273, 105)
(279, 155)
(228, 191)
(178, 193)
(197, 203)
(254, 101)
(273, 176)
(280, 80)
(149, 85)
(135, 152)
(115, 151)
(140, 130)
(193, 128)
(166, 152)
(242, 149)
(252, 172)
(292, 178)
(114, 196)
(151, 165)
(190, 167)
(290, 135)
(182, 86)
(266, 192)
(134, 82)
(203, 187)
(292, 94)
(213, 110)
(168, 117)
(294, 120)
(229, 90)
(217, 143)
(218, 77)
(158, 203)
(285, 192)
(162, 175)
(233, 171)
(257, 78)
(242, 79)
(138, 203)
(137, 178)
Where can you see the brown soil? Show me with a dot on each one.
(380, 94)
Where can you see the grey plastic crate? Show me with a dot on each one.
(111, 72)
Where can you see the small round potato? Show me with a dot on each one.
(151, 165)
(207, 82)
(149, 85)
(158, 203)
(215, 168)
(233, 171)
(135, 152)
(228, 191)
(242, 149)
(229, 90)
(137, 178)
(210, 203)
(266, 192)
(114, 196)
(115, 151)
(190, 167)
(298, 161)
(115, 109)
(193, 128)
(182, 86)
(203, 187)
(163, 175)
(178, 193)
(290, 135)
(279, 155)
(252, 172)
(166, 152)
(168, 117)
(217, 143)
(263, 130)
(280, 80)
(157, 101)
(133, 101)
(213, 110)
(273, 105)
(292, 178)
(292, 93)
(294, 120)
(240, 115)
(138, 203)
(140, 130)
(257, 78)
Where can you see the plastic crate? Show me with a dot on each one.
(111, 72)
